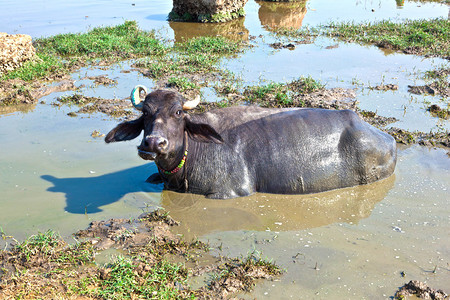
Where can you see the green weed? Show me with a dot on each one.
(423, 37)
(182, 84)
(62, 53)
(43, 65)
(121, 42)
(128, 278)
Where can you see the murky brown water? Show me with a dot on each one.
(53, 174)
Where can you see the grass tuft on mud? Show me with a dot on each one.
(197, 56)
(121, 42)
(62, 53)
(152, 264)
(422, 37)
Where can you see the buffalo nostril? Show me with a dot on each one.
(162, 143)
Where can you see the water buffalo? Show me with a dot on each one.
(237, 151)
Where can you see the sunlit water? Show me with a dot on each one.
(54, 175)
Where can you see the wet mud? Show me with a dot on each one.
(17, 92)
(57, 269)
(441, 88)
(420, 290)
(117, 108)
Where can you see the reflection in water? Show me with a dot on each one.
(9, 109)
(282, 14)
(400, 3)
(200, 216)
(234, 30)
(87, 194)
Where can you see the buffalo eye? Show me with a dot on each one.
(145, 113)
(178, 113)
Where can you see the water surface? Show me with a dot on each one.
(346, 244)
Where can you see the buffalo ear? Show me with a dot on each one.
(125, 131)
(203, 133)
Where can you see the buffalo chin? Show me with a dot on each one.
(146, 155)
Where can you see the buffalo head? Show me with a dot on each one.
(166, 126)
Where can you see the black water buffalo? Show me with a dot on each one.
(237, 151)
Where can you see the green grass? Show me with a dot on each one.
(122, 42)
(61, 53)
(50, 245)
(281, 94)
(44, 65)
(200, 55)
(421, 37)
(210, 45)
(122, 280)
(424, 37)
(182, 84)
(45, 243)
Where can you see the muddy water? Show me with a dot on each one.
(53, 174)
(347, 244)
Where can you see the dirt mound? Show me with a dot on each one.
(45, 267)
(17, 91)
(15, 49)
(421, 290)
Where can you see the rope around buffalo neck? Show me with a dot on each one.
(181, 164)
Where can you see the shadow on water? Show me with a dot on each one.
(88, 194)
(199, 216)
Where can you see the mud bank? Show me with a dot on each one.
(46, 266)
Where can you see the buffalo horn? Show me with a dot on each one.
(191, 103)
(136, 96)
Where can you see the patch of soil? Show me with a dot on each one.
(374, 119)
(417, 137)
(238, 275)
(385, 87)
(420, 290)
(101, 80)
(336, 98)
(56, 270)
(291, 45)
(439, 112)
(436, 88)
(126, 233)
(117, 108)
(16, 91)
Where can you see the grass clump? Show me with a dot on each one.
(210, 45)
(422, 37)
(63, 53)
(128, 278)
(197, 56)
(50, 246)
(182, 84)
(120, 42)
(45, 267)
(42, 66)
(281, 94)
(243, 272)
